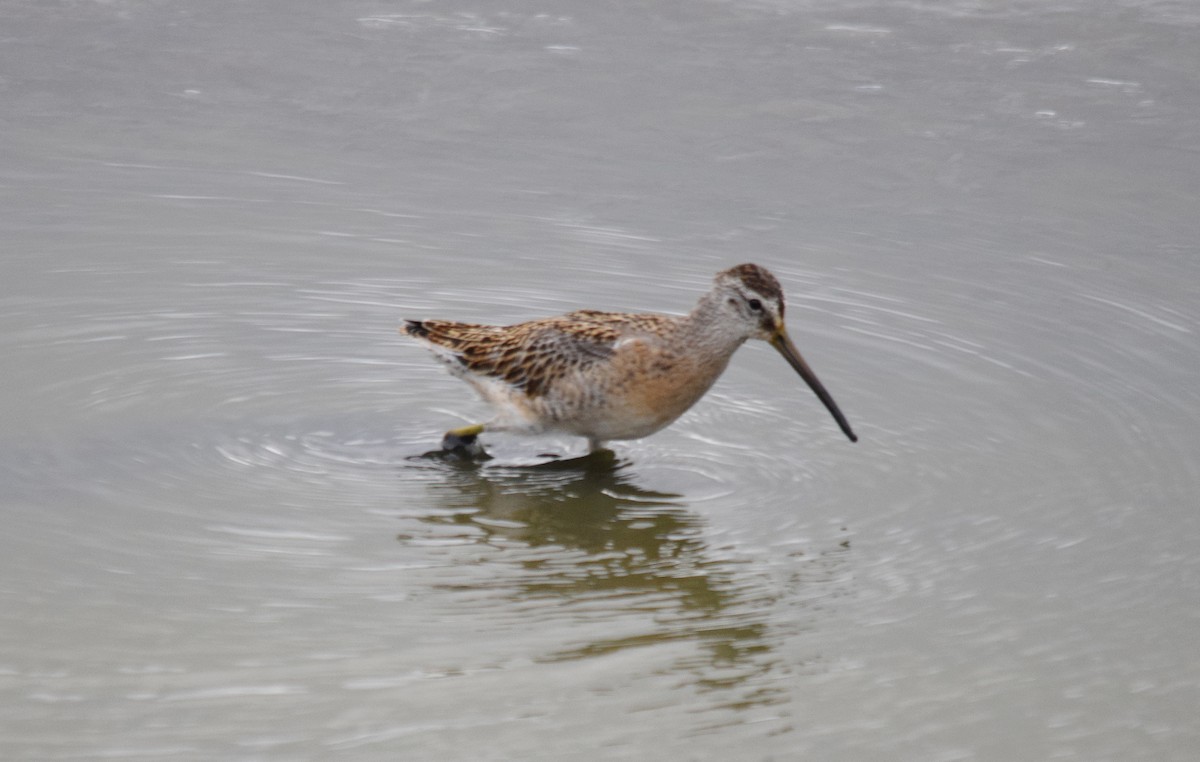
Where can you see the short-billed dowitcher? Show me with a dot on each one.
(612, 375)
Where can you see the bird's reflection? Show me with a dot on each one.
(631, 538)
(597, 535)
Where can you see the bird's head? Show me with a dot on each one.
(753, 297)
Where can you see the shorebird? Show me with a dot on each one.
(612, 375)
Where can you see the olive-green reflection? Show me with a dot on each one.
(640, 551)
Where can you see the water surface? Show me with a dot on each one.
(219, 543)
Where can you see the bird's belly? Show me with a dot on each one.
(613, 427)
(637, 409)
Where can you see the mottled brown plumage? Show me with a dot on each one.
(613, 375)
(532, 356)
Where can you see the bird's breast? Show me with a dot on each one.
(644, 387)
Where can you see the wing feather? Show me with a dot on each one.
(533, 355)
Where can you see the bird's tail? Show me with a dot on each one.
(416, 329)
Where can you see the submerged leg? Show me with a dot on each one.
(464, 440)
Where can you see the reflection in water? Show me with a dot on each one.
(602, 538)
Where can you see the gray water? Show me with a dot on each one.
(218, 543)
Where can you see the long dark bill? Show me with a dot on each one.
(785, 347)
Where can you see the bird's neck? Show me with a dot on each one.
(708, 325)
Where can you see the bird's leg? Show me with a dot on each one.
(464, 439)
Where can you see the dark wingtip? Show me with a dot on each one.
(415, 328)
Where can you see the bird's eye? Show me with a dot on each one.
(755, 305)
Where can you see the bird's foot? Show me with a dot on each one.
(464, 443)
